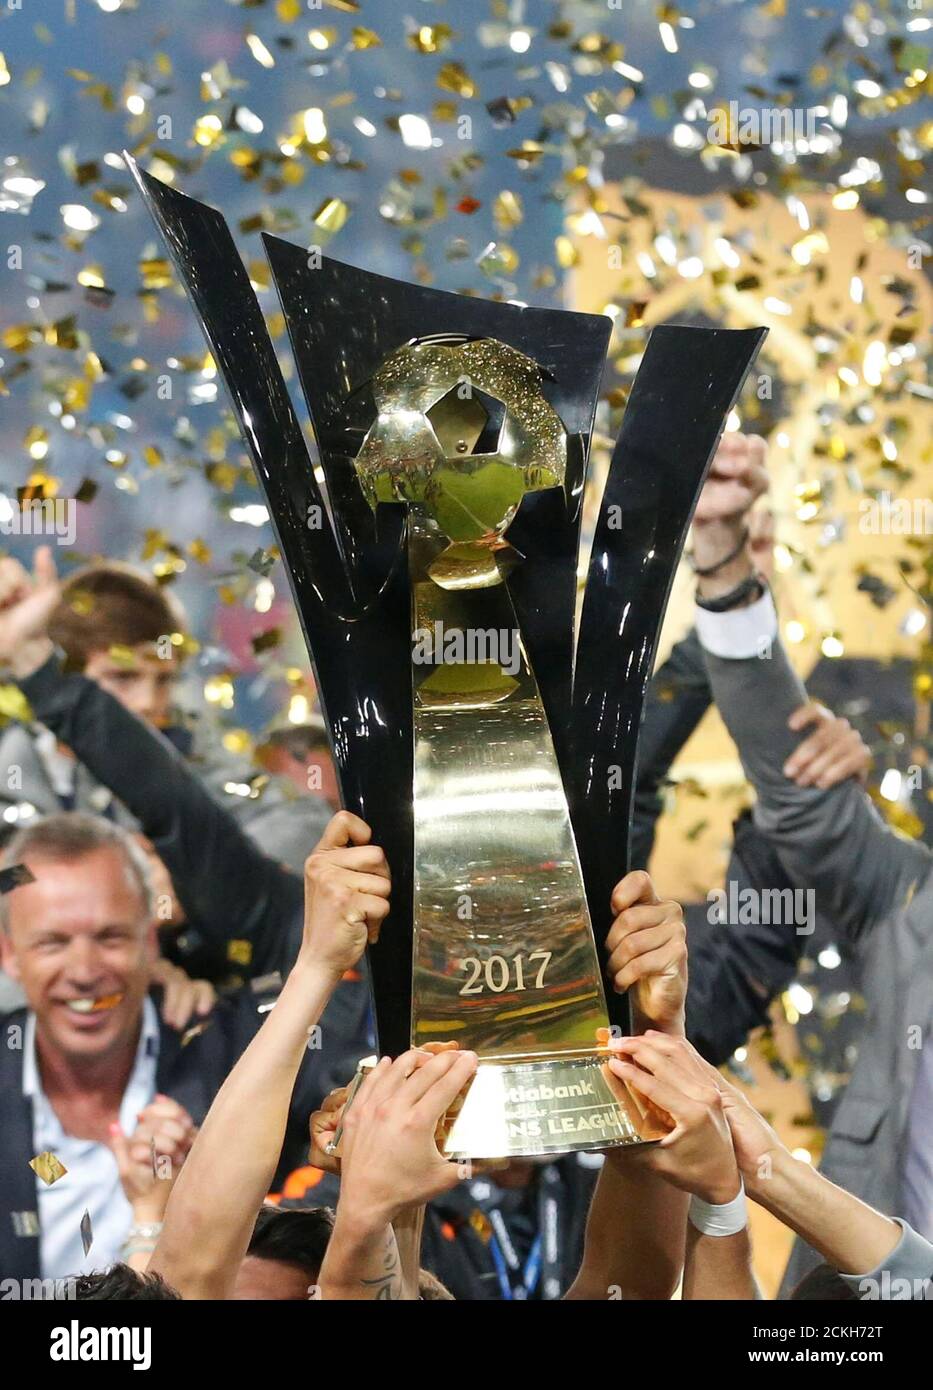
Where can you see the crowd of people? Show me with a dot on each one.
(186, 997)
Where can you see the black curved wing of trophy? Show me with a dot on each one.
(368, 559)
(687, 383)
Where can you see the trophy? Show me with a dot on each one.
(487, 737)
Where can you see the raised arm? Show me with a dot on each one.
(200, 843)
(213, 1206)
(634, 1245)
(698, 1158)
(870, 1251)
(390, 1168)
(828, 838)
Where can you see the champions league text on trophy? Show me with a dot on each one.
(492, 755)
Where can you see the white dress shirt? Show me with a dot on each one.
(739, 632)
(91, 1183)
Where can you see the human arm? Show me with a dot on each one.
(199, 842)
(853, 1237)
(697, 1157)
(829, 839)
(390, 1168)
(211, 1213)
(635, 1228)
(408, 1225)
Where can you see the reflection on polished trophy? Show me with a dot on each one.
(488, 739)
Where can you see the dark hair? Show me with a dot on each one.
(121, 1284)
(110, 604)
(430, 1288)
(297, 1238)
(821, 1284)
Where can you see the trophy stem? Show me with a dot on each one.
(505, 962)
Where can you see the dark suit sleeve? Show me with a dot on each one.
(228, 886)
(678, 697)
(831, 840)
(736, 968)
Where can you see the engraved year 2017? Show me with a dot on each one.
(498, 974)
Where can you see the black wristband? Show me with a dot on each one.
(720, 564)
(735, 598)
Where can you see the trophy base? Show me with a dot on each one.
(518, 1109)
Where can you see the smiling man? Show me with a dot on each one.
(90, 1059)
(79, 939)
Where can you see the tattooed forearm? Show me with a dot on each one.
(364, 1263)
(388, 1284)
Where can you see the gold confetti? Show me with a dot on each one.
(498, 259)
(240, 952)
(156, 273)
(20, 337)
(77, 395)
(14, 707)
(208, 131)
(507, 210)
(453, 77)
(36, 442)
(122, 656)
(430, 38)
(63, 334)
(363, 38)
(529, 152)
(47, 1167)
(331, 215)
(199, 550)
(567, 254)
(92, 276)
(38, 486)
(238, 741)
